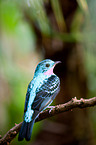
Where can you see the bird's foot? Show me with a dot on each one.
(51, 107)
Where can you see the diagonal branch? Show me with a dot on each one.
(73, 103)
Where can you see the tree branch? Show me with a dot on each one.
(73, 103)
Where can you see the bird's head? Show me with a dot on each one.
(46, 67)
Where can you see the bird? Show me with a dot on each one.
(41, 92)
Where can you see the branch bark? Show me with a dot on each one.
(73, 103)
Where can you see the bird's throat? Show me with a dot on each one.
(49, 72)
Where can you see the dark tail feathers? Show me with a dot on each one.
(26, 130)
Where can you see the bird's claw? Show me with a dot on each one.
(51, 107)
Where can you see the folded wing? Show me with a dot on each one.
(46, 93)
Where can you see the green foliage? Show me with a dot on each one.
(9, 15)
(17, 42)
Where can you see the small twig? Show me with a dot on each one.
(73, 103)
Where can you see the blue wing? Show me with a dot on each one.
(27, 96)
(46, 93)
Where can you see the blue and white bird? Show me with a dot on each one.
(41, 91)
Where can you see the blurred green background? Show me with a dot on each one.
(19, 56)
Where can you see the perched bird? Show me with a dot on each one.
(41, 91)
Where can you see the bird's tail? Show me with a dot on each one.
(26, 130)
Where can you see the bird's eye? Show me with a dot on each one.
(47, 65)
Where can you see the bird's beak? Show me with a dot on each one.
(56, 62)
